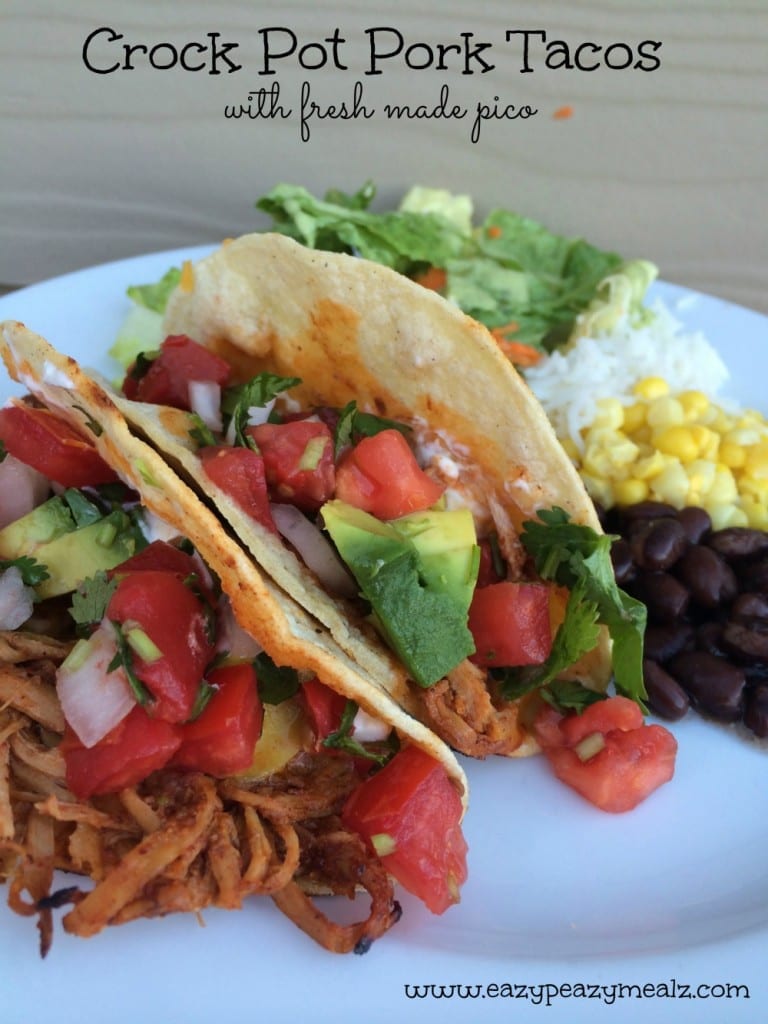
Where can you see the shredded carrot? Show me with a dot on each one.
(563, 113)
(187, 279)
(494, 231)
(516, 351)
(434, 278)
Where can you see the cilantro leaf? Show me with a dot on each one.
(570, 695)
(578, 633)
(201, 433)
(124, 658)
(32, 571)
(276, 683)
(573, 555)
(90, 599)
(353, 425)
(342, 738)
(84, 512)
(258, 392)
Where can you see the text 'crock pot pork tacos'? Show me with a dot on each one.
(376, 412)
(271, 765)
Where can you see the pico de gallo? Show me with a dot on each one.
(161, 677)
(503, 620)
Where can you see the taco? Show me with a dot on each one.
(217, 741)
(396, 429)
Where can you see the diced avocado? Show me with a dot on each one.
(43, 524)
(423, 623)
(448, 551)
(72, 557)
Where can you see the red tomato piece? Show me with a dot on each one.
(239, 472)
(165, 557)
(412, 807)
(221, 739)
(175, 621)
(603, 716)
(50, 445)
(510, 624)
(167, 379)
(380, 475)
(629, 767)
(298, 461)
(324, 708)
(487, 573)
(136, 747)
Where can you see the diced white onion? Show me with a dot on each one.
(93, 699)
(367, 729)
(21, 489)
(205, 400)
(314, 549)
(15, 599)
(232, 638)
(258, 414)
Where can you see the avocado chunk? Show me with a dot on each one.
(72, 557)
(414, 609)
(43, 524)
(449, 555)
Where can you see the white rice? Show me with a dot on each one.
(569, 384)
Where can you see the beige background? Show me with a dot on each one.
(671, 165)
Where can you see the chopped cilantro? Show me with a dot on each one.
(276, 684)
(354, 425)
(204, 693)
(84, 512)
(579, 558)
(570, 695)
(32, 571)
(201, 433)
(90, 600)
(124, 658)
(342, 738)
(258, 392)
(95, 427)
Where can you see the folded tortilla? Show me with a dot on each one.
(354, 330)
(285, 630)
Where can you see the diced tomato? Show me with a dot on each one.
(221, 739)
(166, 381)
(510, 624)
(136, 747)
(50, 445)
(380, 475)
(298, 461)
(323, 706)
(239, 472)
(630, 761)
(165, 557)
(176, 622)
(411, 808)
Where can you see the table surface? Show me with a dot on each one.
(669, 164)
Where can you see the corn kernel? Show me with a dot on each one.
(651, 466)
(743, 436)
(723, 487)
(599, 489)
(756, 460)
(732, 455)
(671, 485)
(701, 476)
(634, 417)
(630, 492)
(610, 413)
(694, 403)
(651, 387)
(756, 513)
(726, 514)
(757, 489)
(678, 441)
(665, 412)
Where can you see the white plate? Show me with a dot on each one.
(559, 894)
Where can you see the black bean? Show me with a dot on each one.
(709, 638)
(739, 542)
(750, 606)
(754, 576)
(658, 543)
(695, 521)
(747, 642)
(664, 641)
(647, 510)
(756, 711)
(707, 576)
(712, 683)
(664, 596)
(621, 557)
(666, 697)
